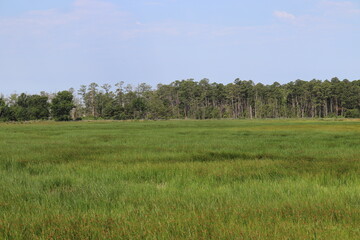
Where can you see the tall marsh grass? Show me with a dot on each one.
(216, 179)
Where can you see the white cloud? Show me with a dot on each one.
(284, 15)
(104, 20)
(85, 16)
(93, 4)
(340, 7)
(152, 3)
(338, 4)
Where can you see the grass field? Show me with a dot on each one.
(218, 179)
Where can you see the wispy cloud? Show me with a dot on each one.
(84, 16)
(93, 4)
(338, 3)
(152, 3)
(324, 15)
(284, 15)
(340, 7)
(106, 21)
(101, 19)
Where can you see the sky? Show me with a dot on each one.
(58, 44)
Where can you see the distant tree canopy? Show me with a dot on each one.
(191, 99)
(25, 107)
(61, 106)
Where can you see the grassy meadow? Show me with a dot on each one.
(180, 179)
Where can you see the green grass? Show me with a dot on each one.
(216, 179)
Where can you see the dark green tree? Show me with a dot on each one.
(6, 113)
(38, 107)
(61, 106)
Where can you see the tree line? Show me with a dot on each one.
(45, 106)
(190, 99)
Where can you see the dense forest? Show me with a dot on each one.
(190, 99)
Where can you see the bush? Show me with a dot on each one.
(352, 113)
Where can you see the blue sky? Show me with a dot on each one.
(54, 45)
